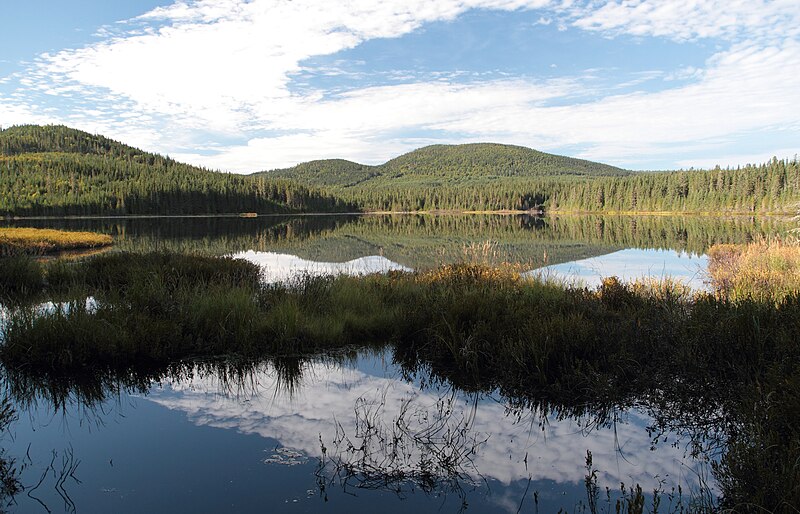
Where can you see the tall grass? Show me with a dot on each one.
(19, 276)
(764, 269)
(36, 241)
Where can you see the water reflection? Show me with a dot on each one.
(555, 448)
(634, 264)
(424, 241)
(279, 267)
(333, 426)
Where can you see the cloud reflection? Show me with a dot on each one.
(280, 267)
(632, 264)
(555, 449)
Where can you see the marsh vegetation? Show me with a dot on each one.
(719, 366)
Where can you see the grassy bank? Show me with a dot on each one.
(728, 360)
(35, 241)
(765, 269)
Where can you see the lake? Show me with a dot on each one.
(348, 433)
(364, 429)
(582, 248)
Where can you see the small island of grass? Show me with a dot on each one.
(36, 241)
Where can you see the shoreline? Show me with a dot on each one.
(452, 212)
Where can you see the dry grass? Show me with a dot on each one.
(765, 269)
(34, 241)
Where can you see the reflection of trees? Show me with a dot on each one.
(423, 241)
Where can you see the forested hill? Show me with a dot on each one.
(56, 171)
(487, 177)
(444, 164)
(491, 159)
(58, 138)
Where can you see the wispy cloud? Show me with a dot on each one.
(693, 19)
(179, 77)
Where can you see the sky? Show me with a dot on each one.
(250, 85)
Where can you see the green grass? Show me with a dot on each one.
(721, 361)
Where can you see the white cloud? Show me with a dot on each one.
(225, 67)
(692, 19)
(17, 113)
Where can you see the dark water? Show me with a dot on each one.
(334, 435)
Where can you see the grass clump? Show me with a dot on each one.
(764, 269)
(19, 276)
(37, 241)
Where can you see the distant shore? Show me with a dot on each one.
(435, 212)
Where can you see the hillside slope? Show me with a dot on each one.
(491, 177)
(441, 164)
(56, 170)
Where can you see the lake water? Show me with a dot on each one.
(359, 432)
(209, 442)
(575, 248)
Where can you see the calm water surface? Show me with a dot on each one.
(575, 248)
(350, 435)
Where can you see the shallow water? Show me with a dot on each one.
(339, 436)
(206, 443)
(634, 264)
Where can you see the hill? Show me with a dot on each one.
(491, 159)
(328, 172)
(442, 164)
(56, 171)
(487, 177)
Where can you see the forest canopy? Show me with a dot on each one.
(59, 171)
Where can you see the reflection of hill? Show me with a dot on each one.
(418, 246)
(423, 241)
(419, 241)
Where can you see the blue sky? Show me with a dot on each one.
(259, 84)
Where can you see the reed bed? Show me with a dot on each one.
(764, 269)
(37, 241)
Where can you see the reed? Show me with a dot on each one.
(764, 269)
(37, 241)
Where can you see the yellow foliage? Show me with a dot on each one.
(762, 269)
(15, 241)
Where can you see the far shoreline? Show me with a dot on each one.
(435, 212)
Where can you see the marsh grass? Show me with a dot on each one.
(10, 484)
(766, 269)
(481, 328)
(19, 276)
(36, 241)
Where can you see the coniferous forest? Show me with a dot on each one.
(58, 171)
(498, 177)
